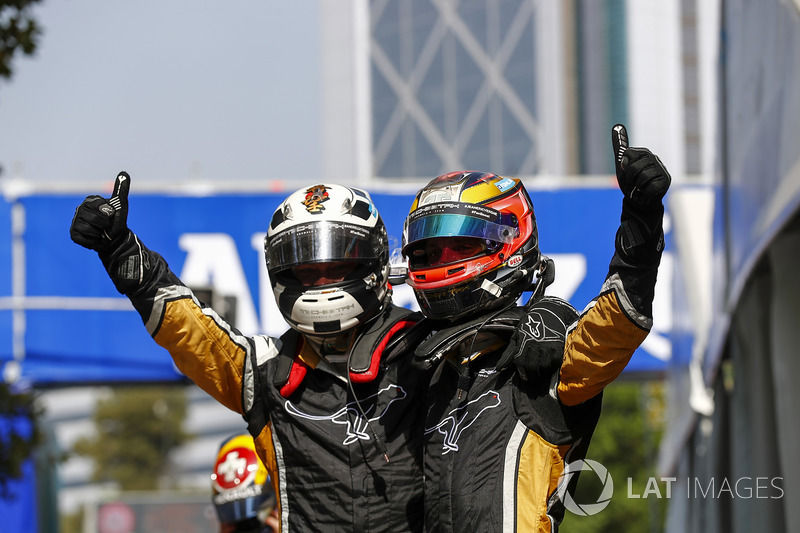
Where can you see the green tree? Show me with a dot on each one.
(19, 433)
(19, 32)
(137, 427)
(626, 443)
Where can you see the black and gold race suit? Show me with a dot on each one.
(324, 441)
(496, 445)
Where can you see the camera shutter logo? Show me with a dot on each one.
(585, 509)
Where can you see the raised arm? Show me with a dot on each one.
(218, 358)
(616, 322)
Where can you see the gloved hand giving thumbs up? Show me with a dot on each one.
(100, 224)
(644, 181)
(641, 175)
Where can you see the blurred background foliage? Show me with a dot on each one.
(136, 429)
(626, 443)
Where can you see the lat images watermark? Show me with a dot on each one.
(745, 487)
(585, 509)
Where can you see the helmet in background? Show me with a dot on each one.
(323, 224)
(240, 484)
(493, 217)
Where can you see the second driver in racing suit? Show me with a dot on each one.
(517, 391)
(334, 405)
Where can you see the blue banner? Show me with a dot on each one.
(75, 328)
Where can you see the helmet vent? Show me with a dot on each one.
(419, 276)
(339, 297)
(444, 308)
(455, 271)
(361, 210)
(310, 300)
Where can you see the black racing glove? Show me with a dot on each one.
(644, 181)
(100, 224)
(537, 345)
(641, 175)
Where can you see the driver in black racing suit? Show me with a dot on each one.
(517, 391)
(334, 405)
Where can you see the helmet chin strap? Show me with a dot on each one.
(544, 276)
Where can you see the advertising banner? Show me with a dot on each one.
(62, 321)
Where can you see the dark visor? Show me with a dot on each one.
(321, 242)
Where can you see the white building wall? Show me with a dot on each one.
(344, 41)
(655, 80)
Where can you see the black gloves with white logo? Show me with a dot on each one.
(644, 181)
(100, 224)
(537, 345)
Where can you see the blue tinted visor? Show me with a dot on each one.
(455, 219)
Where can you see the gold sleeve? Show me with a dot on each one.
(203, 351)
(600, 345)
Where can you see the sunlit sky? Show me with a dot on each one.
(169, 90)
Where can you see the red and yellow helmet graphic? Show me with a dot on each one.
(237, 465)
(239, 480)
